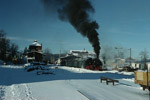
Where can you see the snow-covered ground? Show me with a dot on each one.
(67, 83)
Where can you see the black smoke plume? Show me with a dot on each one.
(77, 13)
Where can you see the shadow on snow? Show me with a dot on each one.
(9, 76)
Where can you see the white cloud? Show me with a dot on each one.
(119, 31)
(21, 39)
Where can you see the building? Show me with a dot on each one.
(35, 52)
(76, 58)
(82, 53)
(142, 65)
(136, 65)
(118, 62)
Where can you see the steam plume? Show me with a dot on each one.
(77, 13)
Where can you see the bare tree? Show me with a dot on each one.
(47, 55)
(25, 51)
(13, 51)
(144, 55)
(4, 45)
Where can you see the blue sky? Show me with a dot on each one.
(123, 23)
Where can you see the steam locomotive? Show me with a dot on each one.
(88, 63)
(93, 64)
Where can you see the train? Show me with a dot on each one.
(93, 64)
(87, 63)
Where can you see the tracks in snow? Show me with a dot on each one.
(16, 92)
(2, 92)
(28, 92)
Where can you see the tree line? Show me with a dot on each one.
(9, 52)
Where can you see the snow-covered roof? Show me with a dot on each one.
(39, 52)
(30, 58)
(78, 51)
(91, 52)
(35, 43)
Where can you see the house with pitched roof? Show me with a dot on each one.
(35, 52)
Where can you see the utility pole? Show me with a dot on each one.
(130, 56)
(145, 65)
(60, 53)
(118, 54)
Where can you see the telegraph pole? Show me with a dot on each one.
(130, 56)
(59, 53)
(145, 65)
(118, 54)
